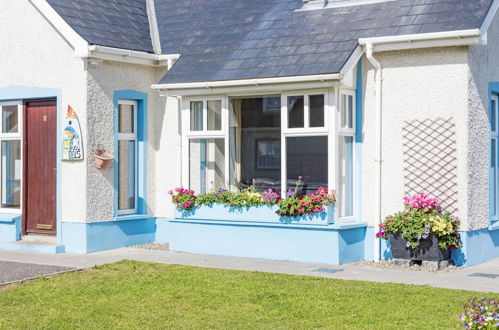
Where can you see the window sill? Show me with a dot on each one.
(9, 217)
(494, 226)
(126, 217)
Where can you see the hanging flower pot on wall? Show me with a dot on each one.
(102, 159)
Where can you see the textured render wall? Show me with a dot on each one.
(483, 68)
(35, 55)
(103, 80)
(417, 84)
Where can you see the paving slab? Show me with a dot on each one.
(17, 271)
(483, 277)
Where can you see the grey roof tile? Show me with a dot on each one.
(238, 39)
(113, 23)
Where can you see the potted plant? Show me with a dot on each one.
(423, 231)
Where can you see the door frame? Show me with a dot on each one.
(25, 166)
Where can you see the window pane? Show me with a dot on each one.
(255, 143)
(126, 175)
(295, 112)
(345, 170)
(214, 115)
(492, 115)
(347, 111)
(350, 112)
(197, 116)
(11, 174)
(307, 158)
(316, 110)
(206, 165)
(126, 118)
(10, 122)
(492, 179)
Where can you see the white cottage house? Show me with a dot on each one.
(374, 98)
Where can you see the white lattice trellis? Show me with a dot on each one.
(430, 159)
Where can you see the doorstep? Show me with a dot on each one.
(35, 243)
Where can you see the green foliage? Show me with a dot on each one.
(416, 224)
(134, 295)
(292, 206)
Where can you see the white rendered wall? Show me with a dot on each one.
(417, 84)
(163, 142)
(35, 55)
(483, 69)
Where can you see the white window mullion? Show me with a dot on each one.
(284, 125)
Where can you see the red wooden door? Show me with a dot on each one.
(39, 204)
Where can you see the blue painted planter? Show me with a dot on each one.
(255, 214)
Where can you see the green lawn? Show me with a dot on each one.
(142, 295)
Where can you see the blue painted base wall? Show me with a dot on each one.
(100, 236)
(318, 245)
(478, 246)
(10, 227)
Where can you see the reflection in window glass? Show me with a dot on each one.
(126, 175)
(492, 115)
(345, 170)
(316, 110)
(255, 143)
(214, 115)
(10, 119)
(350, 112)
(11, 174)
(295, 112)
(126, 115)
(197, 116)
(307, 157)
(206, 165)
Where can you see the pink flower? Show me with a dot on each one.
(170, 192)
(380, 234)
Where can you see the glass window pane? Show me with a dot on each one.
(296, 108)
(492, 115)
(215, 115)
(345, 170)
(350, 112)
(307, 158)
(126, 175)
(11, 174)
(492, 179)
(316, 110)
(126, 118)
(255, 143)
(10, 119)
(347, 111)
(197, 116)
(206, 165)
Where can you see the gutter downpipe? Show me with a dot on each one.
(379, 138)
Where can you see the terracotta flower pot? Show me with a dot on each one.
(102, 159)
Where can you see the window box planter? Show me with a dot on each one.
(428, 249)
(254, 214)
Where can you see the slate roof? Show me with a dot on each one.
(112, 23)
(246, 39)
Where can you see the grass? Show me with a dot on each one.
(141, 295)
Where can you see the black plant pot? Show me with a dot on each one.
(428, 249)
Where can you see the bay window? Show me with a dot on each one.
(271, 142)
(10, 150)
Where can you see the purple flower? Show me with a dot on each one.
(290, 193)
(407, 244)
(300, 177)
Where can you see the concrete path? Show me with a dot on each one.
(15, 271)
(484, 277)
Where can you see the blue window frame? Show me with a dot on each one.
(130, 181)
